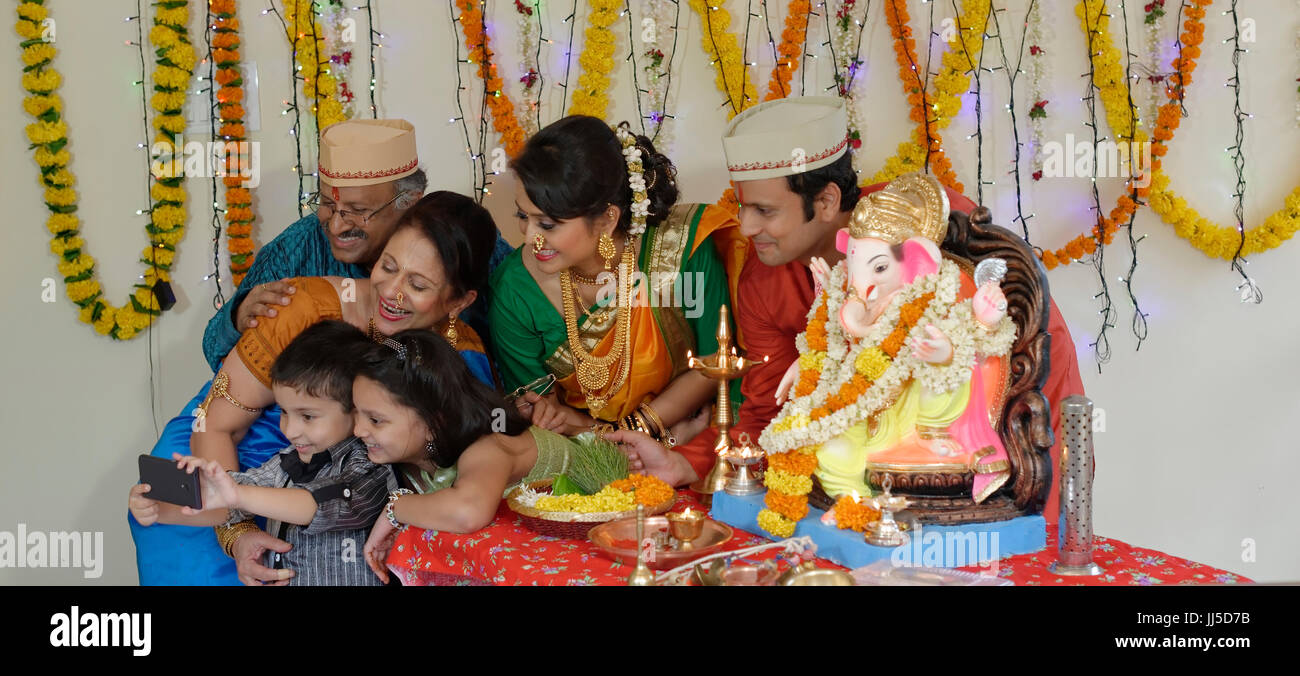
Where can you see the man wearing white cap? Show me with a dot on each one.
(789, 161)
(369, 174)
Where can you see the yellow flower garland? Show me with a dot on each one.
(734, 78)
(1210, 238)
(318, 84)
(49, 137)
(592, 97)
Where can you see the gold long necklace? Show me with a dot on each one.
(594, 372)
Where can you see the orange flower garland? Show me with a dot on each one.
(793, 462)
(239, 199)
(1113, 85)
(503, 111)
(791, 49)
(792, 507)
(927, 130)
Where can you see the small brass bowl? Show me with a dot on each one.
(819, 577)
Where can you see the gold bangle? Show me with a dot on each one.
(653, 418)
(221, 388)
(227, 535)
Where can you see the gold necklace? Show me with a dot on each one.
(583, 279)
(593, 372)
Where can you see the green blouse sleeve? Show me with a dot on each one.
(518, 342)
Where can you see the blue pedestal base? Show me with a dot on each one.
(932, 546)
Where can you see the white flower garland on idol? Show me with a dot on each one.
(794, 427)
(1037, 34)
(635, 179)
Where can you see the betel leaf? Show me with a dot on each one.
(562, 485)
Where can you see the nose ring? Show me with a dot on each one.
(539, 242)
(399, 300)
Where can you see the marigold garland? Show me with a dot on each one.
(1211, 239)
(721, 46)
(480, 54)
(792, 507)
(230, 111)
(318, 84)
(790, 52)
(597, 60)
(174, 66)
(932, 114)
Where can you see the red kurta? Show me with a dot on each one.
(772, 309)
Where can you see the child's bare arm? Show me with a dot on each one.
(291, 505)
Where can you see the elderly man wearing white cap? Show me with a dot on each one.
(789, 161)
(369, 175)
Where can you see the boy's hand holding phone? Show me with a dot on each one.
(218, 489)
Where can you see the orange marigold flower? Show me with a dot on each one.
(792, 507)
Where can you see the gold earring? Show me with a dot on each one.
(452, 334)
(539, 242)
(607, 250)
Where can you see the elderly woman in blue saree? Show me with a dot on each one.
(433, 267)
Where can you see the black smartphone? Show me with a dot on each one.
(169, 483)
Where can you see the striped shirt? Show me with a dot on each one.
(351, 493)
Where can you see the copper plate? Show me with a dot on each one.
(617, 539)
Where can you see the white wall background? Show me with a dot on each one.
(1199, 452)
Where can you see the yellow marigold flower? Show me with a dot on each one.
(789, 484)
(87, 314)
(179, 16)
(168, 217)
(167, 100)
(61, 223)
(170, 78)
(172, 123)
(147, 300)
(33, 12)
(40, 52)
(58, 245)
(775, 524)
(63, 197)
(326, 83)
(162, 193)
(42, 133)
(76, 266)
(872, 363)
(163, 37)
(27, 30)
(158, 256)
(62, 178)
(182, 56)
(45, 81)
(45, 158)
(80, 291)
(125, 332)
(811, 361)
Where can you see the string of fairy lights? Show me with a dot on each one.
(974, 69)
(138, 43)
(1013, 73)
(1249, 290)
(1139, 322)
(1100, 346)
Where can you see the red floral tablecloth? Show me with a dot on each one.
(508, 553)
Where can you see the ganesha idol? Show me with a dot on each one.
(899, 367)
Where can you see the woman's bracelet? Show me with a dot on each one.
(392, 501)
(228, 535)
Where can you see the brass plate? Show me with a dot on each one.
(617, 539)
